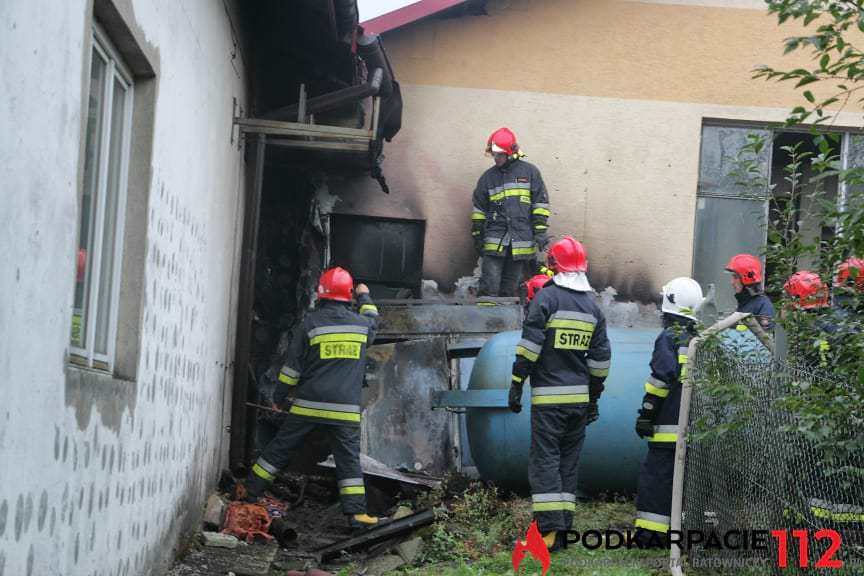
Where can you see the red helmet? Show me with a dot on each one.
(808, 288)
(567, 255)
(843, 276)
(534, 284)
(502, 140)
(747, 267)
(335, 284)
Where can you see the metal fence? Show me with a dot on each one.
(750, 464)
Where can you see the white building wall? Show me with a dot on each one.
(101, 476)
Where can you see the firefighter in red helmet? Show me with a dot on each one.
(811, 334)
(746, 280)
(325, 366)
(510, 216)
(565, 352)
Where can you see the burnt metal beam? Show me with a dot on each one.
(243, 416)
(333, 99)
(377, 534)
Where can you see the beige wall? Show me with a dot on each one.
(607, 97)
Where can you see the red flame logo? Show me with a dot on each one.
(534, 545)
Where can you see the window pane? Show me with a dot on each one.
(730, 218)
(83, 272)
(109, 238)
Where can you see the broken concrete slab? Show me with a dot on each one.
(219, 540)
(402, 512)
(213, 513)
(251, 560)
(410, 549)
(383, 564)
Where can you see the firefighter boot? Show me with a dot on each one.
(552, 541)
(363, 521)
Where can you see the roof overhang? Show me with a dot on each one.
(401, 12)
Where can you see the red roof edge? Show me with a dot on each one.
(406, 15)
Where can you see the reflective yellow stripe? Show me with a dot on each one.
(541, 227)
(527, 354)
(574, 324)
(599, 372)
(651, 525)
(659, 392)
(682, 359)
(352, 490)
(493, 247)
(560, 399)
(552, 506)
(477, 216)
(741, 328)
(261, 472)
(368, 308)
(541, 212)
(285, 379)
(338, 337)
(523, 251)
(664, 437)
(517, 379)
(837, 516)
(327, 414)
(509, 193)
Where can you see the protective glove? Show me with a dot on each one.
(647, 416)
(478, 244)
(541, 239)
(514, 400)
(644, 426)
(593, 413)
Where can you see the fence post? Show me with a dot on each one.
(681, 445)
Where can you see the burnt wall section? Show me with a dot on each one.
(290, 258)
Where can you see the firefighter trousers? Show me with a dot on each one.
(500, 275)
(654, 496)
(557, 435)
(344, 441)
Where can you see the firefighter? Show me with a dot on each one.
(834, 493)
(565, 351)
(533, 285)
(658, 416)
(509, 221)
(849, 286)
(810, 338)
(746, 280)
(324, 367)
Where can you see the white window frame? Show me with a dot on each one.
(115, 70)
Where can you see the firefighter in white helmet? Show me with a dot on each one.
(658, 415)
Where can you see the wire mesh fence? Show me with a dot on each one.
(756, 460)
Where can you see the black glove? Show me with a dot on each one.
(595, 387)
(478, 244)
(593, 413)
(541, 239)
(647, 415)
(514, 401)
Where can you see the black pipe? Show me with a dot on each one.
(330, 100)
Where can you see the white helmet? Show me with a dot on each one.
(682, 297)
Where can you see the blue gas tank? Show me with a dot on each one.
(612, 452)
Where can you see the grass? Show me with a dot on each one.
(475, 532)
